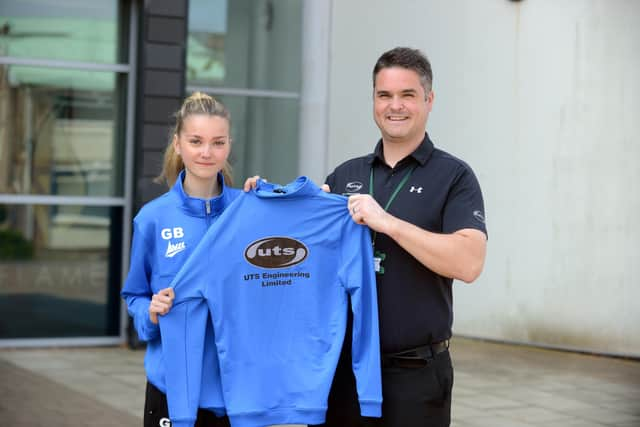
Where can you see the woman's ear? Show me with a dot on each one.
(176, 146)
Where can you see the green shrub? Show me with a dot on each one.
(14, 246)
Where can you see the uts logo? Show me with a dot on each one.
(352, 187)
(275, 252)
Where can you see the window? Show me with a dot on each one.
(63, 121)
(248, 54)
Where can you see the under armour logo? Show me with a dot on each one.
(415, 189)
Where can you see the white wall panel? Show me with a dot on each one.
(542, 99)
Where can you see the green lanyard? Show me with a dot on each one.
(393, 195)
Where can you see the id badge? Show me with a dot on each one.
(378, 257)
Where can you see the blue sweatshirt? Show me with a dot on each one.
(165, 232)
(276, 272)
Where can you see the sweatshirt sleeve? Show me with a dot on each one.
(137, 291)
(359, 278)
(183, 332)
(183, 340)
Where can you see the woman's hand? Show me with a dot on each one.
(251, 183)
(161, 304)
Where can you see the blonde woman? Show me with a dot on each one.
(168, 229)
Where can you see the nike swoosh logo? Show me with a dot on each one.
(171, 254)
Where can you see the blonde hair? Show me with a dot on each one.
(196, 103)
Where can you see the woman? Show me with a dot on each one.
(168, 229)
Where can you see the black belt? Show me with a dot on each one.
(414, 356)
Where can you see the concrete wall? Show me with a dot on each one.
(542, 98)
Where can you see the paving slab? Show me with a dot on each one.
(496, 384)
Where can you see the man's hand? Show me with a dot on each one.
(365, 210)
(161, 304)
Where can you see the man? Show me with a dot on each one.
(425, 211)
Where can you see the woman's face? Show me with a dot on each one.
(204, 145)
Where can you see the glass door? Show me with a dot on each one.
(66, 98)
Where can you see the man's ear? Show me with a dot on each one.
(431, 96)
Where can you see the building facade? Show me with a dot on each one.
(539, 97)
(87, 96)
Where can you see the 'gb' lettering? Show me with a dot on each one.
(168, 233)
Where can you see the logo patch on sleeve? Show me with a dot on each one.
(353, 187)
(479, 216)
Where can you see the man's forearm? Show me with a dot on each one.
(458, 255)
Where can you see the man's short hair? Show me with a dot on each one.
(411, 59)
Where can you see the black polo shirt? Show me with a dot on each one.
(442, 195)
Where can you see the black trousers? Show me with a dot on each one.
(415, 393)
(156, 412)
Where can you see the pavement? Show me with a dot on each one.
(496, 385)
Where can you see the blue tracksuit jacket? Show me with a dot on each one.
(276, 272)
(165, 232)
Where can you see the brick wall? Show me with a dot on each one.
(161, 81)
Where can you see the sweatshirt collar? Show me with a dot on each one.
(300, 187)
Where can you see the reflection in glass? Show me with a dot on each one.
(57, 132)
(265, 137)
(251, 44)
(59, 29)
(56, 264)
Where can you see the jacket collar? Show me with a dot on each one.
(195, 206)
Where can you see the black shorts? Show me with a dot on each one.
(156, 412)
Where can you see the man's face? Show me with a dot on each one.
(400, 106)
